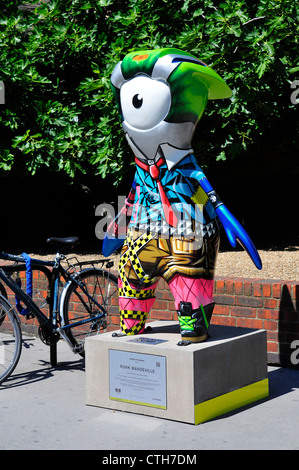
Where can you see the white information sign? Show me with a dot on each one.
(137, 378)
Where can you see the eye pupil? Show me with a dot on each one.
(137, 101)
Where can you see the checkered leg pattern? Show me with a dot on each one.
(135, 303)
(132, 322)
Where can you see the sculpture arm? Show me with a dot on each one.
(116, 231)
(234, 230)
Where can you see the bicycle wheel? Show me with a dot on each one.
(10, 339)
(77, 306)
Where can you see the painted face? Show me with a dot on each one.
(161, 96)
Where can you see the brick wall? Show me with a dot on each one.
(249, 303)
(40, 294)
(254, 303)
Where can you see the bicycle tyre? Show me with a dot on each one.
(101, 285)
(10, 339)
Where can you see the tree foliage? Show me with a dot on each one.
(56, 58)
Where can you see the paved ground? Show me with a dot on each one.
(44, 408)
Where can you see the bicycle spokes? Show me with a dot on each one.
(88, 302)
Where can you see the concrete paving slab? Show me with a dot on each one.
(44, 408)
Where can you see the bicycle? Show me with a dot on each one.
(89, 295)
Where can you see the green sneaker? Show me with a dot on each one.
(194, 324)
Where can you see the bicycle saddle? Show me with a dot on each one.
(63, 241)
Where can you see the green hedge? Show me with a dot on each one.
(56, 58)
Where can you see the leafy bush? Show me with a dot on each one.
(56, 58)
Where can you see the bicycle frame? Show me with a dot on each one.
(54, 276)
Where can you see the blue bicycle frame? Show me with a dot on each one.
(54, 331)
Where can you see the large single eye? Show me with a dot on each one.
(145, 102)
(137, 101)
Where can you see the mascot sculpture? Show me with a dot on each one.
(173, 214)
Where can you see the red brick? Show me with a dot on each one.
(160, 294)
(268, 314)
(247, 287)
(114, 320)
(161, 314)
(272, 347)
(272, 335)
(226, 321)
(238, 287)
(161, 304)
(270, 303)
(249, 301)
(224, 299)
(270, 325)
(35, 274)
(229, 286)
(257, 289)
(220, 286)
(266, 290)
(243, 312)
(249, 323)
(276, 290)
(221, 310)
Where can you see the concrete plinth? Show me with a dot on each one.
(150, 374)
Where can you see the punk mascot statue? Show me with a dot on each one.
(173, 214)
